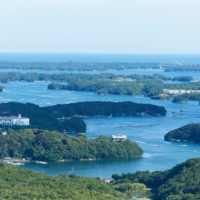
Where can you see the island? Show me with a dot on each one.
(154, 88)
(100, 66)
(20, 183)
(52, 146)
(189, 132)
(68, 118)
(181, 182)
(2, 89)
(180, 99)
(40, 118)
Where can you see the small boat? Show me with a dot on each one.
(139, 142)
(183, 145)
(40, 162)
(16, 163)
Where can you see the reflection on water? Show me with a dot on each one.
(145, 195)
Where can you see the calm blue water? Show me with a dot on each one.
(148, 130)
(62, 57)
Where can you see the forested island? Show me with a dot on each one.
(54, 146)
(41, 118)
(6, 77)
(180, 99)
(179, 183)
(190, 132)
(105, 109)
(190, 96)
(68, 117)
(151, 88)
(19, 183)
(103, 84)
(99, 66)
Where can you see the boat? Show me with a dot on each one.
(16, 163)
(140, 142)
(40, 162)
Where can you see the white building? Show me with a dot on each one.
(14, 120)
(119, 138)
(167, 91)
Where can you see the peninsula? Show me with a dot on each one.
(20, 183)
(181, 182)
(46, 145)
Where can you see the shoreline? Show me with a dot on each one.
(16, 160)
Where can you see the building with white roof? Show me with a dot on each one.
(119, 138)
(14, 120)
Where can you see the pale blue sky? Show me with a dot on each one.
(100, 26)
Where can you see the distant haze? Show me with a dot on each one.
(100, 26)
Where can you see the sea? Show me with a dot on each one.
(148, 132)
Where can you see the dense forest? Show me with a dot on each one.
(149, 88)
(182, 182)
(54, 146)
(101, 108)
(68, 117)
(19, 183)
(180, 99)
(6, 77)
(90, 66)
(183, 78)
(190, 96)
(40, 118)
(76, 66)
(190, 132)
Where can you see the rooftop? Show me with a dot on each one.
(119, 136)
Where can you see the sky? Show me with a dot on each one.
(100, 26)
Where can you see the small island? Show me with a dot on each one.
(190, 132)
(52, 146)
(2, 89)
(180, 99)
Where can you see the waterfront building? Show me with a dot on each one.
(14, 120)
(119, 138)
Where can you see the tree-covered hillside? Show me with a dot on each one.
(39, 118)
(71, 114)
(147, 87)
(182, 182)
(101, 108)
(19, 183)
(53, 146)
(190, 132)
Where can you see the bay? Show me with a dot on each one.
(147, 131)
